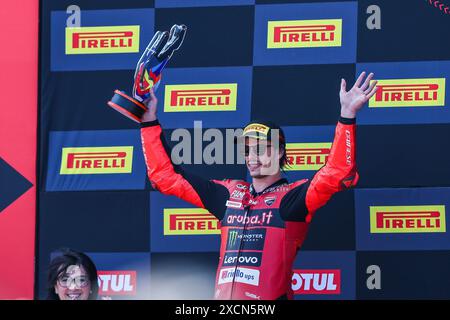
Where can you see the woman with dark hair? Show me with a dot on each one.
(72, 276)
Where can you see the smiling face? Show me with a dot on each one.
(261, 158)
(73, 284)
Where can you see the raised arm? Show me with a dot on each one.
(172, 180)
(339, 172)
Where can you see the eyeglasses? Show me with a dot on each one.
(79, 281)
(259, 149)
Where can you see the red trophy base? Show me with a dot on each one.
(127, 106)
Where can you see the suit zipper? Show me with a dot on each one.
(246, 210)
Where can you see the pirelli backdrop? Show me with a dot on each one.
(279, 60)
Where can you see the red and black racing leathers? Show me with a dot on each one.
(260, 232)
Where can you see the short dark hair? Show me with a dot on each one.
(58, 266)
(283, 160)
(282, 147)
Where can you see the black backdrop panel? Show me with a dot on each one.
(332, 227)
(410, 31)
(91, 222)
(403, 155)
(424, 274)
(217, 36)
(294, 95)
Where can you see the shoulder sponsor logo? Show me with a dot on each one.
(252, 239)
(97, 160)
(304, 33)
(200, 97)
(307, 156)
(237, 194)
(316, 281)
(409, 93)
(98, 40)
(407, 219)
(241, 186)
(117, 283)
(189, 221)
(251, 259)
(243, 275)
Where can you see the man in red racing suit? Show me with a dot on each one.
(263, 224)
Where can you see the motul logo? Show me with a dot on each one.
(307, 156)
(117, 283)
(304, 33)
(316, 281)
(409, 92)
(189, 222)
(407, 219)
(97, 160)
(91, 40)
(200, 97)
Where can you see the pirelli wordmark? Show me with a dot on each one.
(407, 219)
(97, 160)
(307, 156)
(189, 221)
(98, 40)
(409, 93)
(304, 33)
(200, 97)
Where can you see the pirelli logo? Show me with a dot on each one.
(407, 219)
(256, 128)
(304, 33)
(97, 160)
(200, 97)
(307, 156)
(189, 221)
(98, 40)
(409, 93)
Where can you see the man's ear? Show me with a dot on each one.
(56, 289)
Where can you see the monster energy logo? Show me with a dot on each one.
(232, 238)
(252, 239)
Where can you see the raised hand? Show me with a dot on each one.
(353, 100)
(151, 104)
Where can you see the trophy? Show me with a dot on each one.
(148, 72)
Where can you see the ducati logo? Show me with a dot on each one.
(270, 200)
